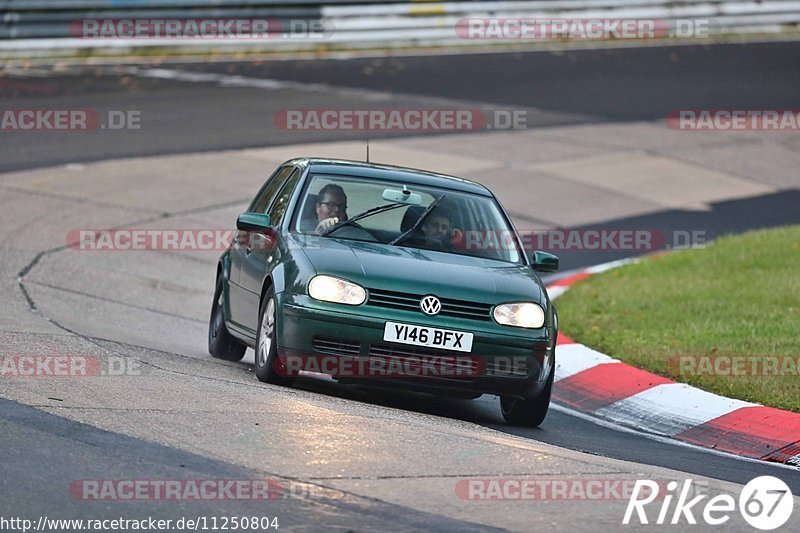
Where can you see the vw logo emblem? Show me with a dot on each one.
(430, 305)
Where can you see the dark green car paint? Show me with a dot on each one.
(294, 259)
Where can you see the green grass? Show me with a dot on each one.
(740, 296)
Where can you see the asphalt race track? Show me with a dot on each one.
(359, 458)
(564, 87)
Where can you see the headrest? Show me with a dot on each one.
(309, 208)
(410, 217)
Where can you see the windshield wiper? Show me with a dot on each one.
(364, 214)
(418, 223)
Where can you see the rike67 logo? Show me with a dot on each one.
(765, 503)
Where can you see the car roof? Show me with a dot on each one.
(414, 176)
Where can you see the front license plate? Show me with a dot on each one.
(458, 341)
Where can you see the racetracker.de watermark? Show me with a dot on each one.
(734, 119)
(410, 366)
(179, 490)
(547, 489)
(380, 119)
(198, 240)
(200, 28)
(410, 120)
(68, 120)
(553, 29)
(67, 366)
(591, 240)
(734, 366)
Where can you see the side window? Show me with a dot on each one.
(268, 191)
(278, 208)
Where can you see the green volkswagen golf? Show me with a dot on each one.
(388, 276)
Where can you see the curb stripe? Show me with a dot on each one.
(574, 358)
(756, 431)
(597, 269)
(670, 408)
(603, 385)
(554, 292)
(563, 339)
(569, 280)
(789, 455)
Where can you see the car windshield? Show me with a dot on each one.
(404, 214)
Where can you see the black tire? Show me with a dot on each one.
(221, 344)
(530, 413)
(266, 348)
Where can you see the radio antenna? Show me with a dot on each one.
(367, 149)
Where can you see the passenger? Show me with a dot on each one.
(437, 229)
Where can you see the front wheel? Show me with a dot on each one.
(221, 344)
(267, 364)
(530, 413)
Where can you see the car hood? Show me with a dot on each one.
(415, 271)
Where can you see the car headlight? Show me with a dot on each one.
(330, 289)
(521, 315)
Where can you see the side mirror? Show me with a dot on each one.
(544, 262)
(253, 222)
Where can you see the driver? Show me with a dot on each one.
(331, 207)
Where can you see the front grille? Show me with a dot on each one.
(410, 302)
(450, 364)
(333, 346)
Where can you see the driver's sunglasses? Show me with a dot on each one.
(333, 205)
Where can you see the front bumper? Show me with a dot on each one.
(507, 361)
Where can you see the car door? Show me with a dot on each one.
(265, 252)
(242, 247)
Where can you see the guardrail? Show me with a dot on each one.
(439, 21)
(48, 24)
